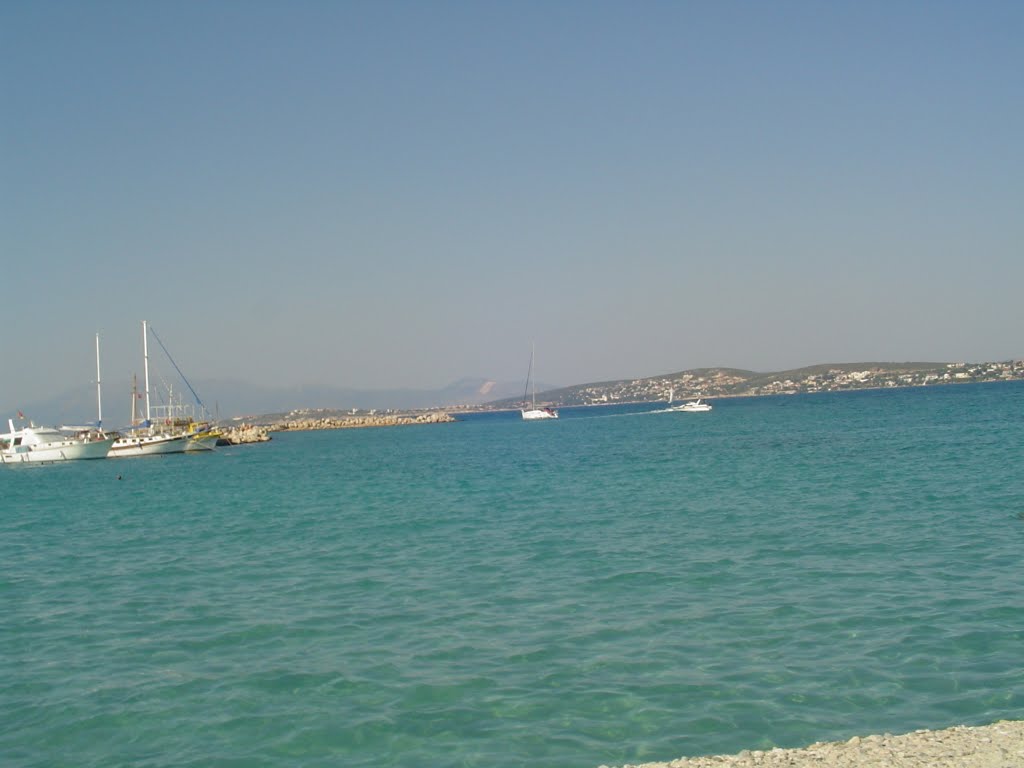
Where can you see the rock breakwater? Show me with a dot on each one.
(361, 421)
(244, 433)
(260, 433)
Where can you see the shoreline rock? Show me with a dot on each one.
(243, 434)
(1000, 745)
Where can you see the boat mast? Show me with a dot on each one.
(99, 391)
(533, 381)
(145, 365)
(529, 378)
(135, 396)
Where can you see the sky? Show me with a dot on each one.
(400, 194)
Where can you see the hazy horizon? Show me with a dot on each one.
(398, 196)
(228, 399)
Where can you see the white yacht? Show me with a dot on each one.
(694, 406)
(47, 445)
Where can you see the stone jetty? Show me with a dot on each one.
(364, 420)
(260, 433)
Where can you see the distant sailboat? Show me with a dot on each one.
(533, 412)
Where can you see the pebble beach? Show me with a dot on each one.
(1000, 745)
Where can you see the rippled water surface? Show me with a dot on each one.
(615, 586)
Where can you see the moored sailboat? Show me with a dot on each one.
(181, 418)
(533, 412)
(145, 439)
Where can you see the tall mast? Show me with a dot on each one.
(533, 379)
(99, 391)
(529, 376)
(145, 364)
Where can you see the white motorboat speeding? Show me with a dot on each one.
(48, 445)
(693, 406)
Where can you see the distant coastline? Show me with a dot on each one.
(731, 382)
(702, 382)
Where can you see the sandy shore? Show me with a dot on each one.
(1000, 745)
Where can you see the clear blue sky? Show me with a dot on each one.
(399, 194)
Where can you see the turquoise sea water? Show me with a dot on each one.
(615, 586)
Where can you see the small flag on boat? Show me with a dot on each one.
(21, 415)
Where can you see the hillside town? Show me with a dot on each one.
(726, 382)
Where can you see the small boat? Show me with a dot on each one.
(694, 406)
(203, 437)
(534, 413)
(48, 445)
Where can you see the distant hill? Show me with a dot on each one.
(730, 382)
